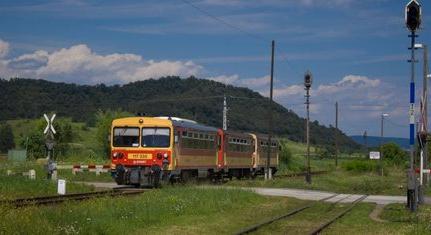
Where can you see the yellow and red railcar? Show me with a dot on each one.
(146, 149)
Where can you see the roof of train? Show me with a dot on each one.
(192, 125)
(163, 121)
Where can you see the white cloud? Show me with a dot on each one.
(225, 79)
(80, 64)
(349, 82)
(4, 48)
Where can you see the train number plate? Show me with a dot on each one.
(140, 155)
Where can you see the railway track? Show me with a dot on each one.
(51, 200)
(301, 174)
(326, 224)
(316, 230)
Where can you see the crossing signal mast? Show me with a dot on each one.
(49, 133)
(413, 13)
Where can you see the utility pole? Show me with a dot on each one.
(381, 143)
(224, 113)
(425, 116)
(268, 173)
(413, 21)
(423, 128)
(366, 143)
(336, 134)
(308, 80)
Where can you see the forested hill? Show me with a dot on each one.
(197, 99)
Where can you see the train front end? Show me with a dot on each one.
(141, 150)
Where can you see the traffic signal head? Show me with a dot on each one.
(308, 79)
(413, 15)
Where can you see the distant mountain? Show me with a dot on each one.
(374, 141)
(191, 98)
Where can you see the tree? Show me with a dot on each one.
(35, 139)
(6, 138)
(103, 129)
(394, 154)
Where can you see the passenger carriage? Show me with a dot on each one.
(145, 150)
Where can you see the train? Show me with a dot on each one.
(152, 150)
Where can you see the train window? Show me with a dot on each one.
(126, 137)
(155, 137)
(189, 134)
(195, 135)
(185, 133)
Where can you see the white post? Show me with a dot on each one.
(61, 187)
(54, 175)
(421, 168)
(32, 174)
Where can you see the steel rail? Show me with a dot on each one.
(301, 174)
(290, 213)
(22, 202)
(339, 215)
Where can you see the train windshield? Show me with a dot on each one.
(126, 137)
(155, 137)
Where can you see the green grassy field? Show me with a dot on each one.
(340, 181)
(169, 210)
(398, 221)
(18, 186)
(196, 210)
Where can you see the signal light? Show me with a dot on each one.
(308, 79)
(413, 15)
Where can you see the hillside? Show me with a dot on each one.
(191, 98)
(375, 141)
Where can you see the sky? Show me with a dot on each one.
(357, 50)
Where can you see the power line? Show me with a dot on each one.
(235, 27)
(203, 11)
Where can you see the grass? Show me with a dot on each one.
(399, 221)
(306, 221)
(85, 176)
(340, 181)
(12, 187)
(201, 210)
(17, 186)
(82, 150)
(173, 210)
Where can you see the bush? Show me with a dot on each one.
(360, 165)
(392, 153)
(103, 128)
(368, 185)
(325, 152)
(6, 138)
(285, 154)
(34, 142)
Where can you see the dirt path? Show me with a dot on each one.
(375, 214)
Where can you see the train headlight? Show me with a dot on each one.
(115, 155)
(165, 156)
